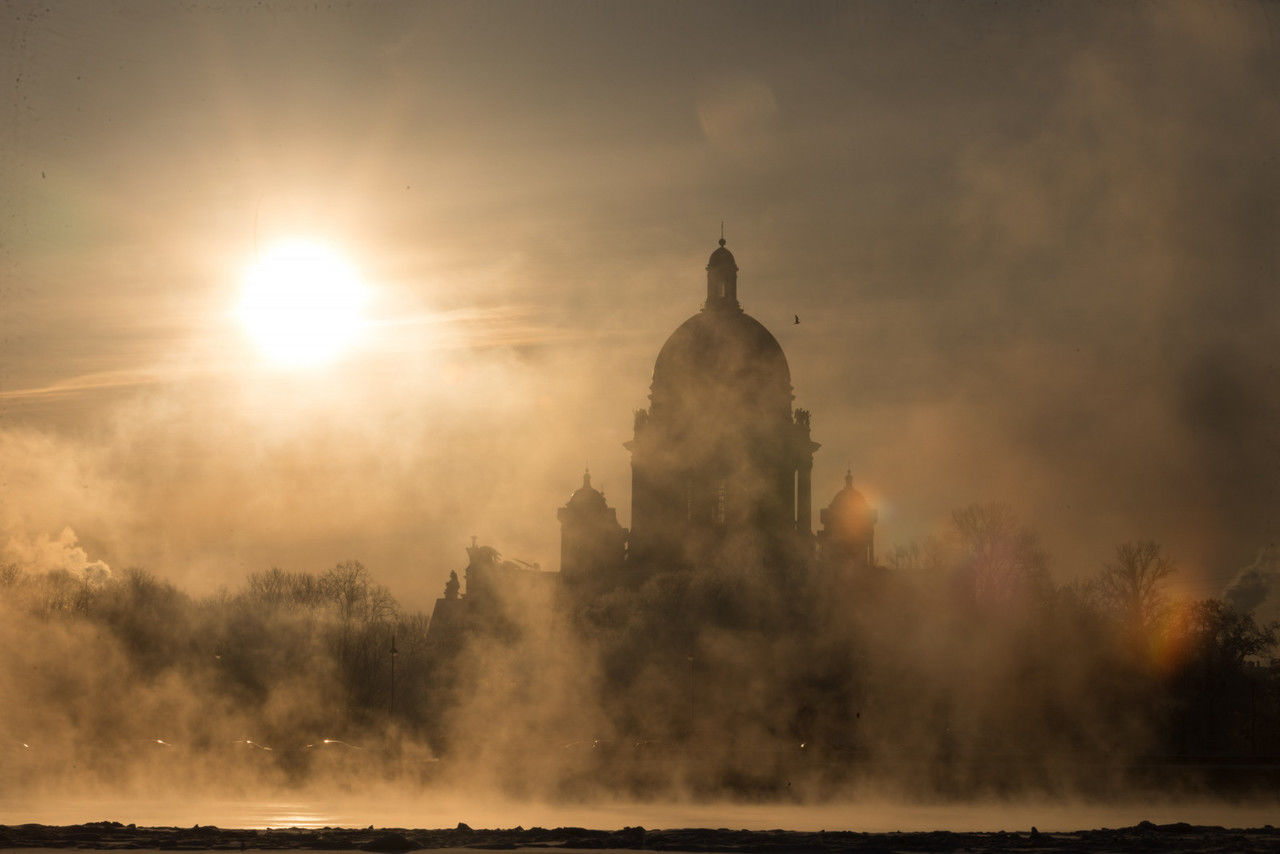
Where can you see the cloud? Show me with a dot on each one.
(61, 553)
(1254, 589)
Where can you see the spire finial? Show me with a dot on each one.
(586, 479)
(848, 476)
(722, 232)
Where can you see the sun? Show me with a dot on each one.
(302, 304)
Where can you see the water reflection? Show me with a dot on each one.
(293, 815)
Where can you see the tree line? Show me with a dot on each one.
(959, 664)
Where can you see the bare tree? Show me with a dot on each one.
(346, 586)
(1134, 586)
(269, 588)
(930, 555)
(1000, 558)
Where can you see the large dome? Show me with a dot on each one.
(722, 359)
(719, 456)
(724, 347)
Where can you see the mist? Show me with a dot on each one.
(1031, 249)
(1022, 264)
(959, 671)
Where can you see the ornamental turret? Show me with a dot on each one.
(849, 527)
(722, 279)
(592, 543)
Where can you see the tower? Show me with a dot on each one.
(848, 532)
(592, 543)
(719, 458)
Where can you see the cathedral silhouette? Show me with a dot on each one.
(720, 475)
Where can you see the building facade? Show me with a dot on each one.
(719, 458)
(721, 467)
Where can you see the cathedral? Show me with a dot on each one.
(721, 468)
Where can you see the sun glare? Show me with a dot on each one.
(302, 304)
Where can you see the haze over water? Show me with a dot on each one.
(432, 810)
(346, 352)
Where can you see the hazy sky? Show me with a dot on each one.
(1033, 247)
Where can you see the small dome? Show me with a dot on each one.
(848, 498)
(722, 258)
(587, 495)
(849, 516)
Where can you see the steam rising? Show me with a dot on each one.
(1034, 254)
(1255, 589)
(960, 670)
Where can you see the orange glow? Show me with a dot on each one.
(302, 304)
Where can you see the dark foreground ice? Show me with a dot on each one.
(1145, 836)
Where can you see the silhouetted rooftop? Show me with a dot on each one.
(849, 501)
(586, 495)
(722, 348)
(722, 258)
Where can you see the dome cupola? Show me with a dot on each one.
(849, 525)
(722, 360)
(587, 496)
(592, 543)
(849, 503)
(719, 456)
(722, 279)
